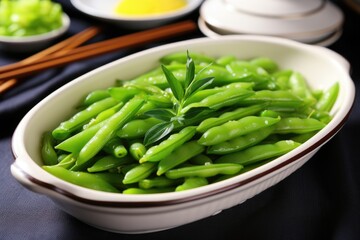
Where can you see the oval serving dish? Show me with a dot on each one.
(154, 212)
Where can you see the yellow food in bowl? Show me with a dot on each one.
(148, 7)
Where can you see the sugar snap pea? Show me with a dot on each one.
(48, 153)
(137, 128)
(227, 97)
(158, 182)
(298, 125)
(229, 116)
(108, 162)
(82, 179)
(328, 98)
(205, 171)
(115, 147)
(95, 96)
(241, 142)
(137, 150)
(235, 128)
(259, 153)
(95, 144)
(158, 152)
(192, 182)
(75, 122)
(179, 155)
(141, 171)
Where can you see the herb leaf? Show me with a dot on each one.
(175, 85)
(197, 85)
(160, 113)
(158, 132)
(190, 70)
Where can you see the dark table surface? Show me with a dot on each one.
(319, 201)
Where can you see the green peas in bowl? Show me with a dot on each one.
(195, 161)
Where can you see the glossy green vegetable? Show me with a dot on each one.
(185, 124)
(48, 152)
(19, 18)
(82, 179)
(205, 171)
(259, 153)
(236, 128)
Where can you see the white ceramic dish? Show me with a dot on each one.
(104, 10)
(226, 19)
(275, 8)
(36, 42)
(211, 32)
(154, 212)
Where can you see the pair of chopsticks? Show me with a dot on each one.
(69, 50)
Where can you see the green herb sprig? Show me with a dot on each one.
(181, 92)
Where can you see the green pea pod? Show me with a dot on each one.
(123, 94)
(158, 182)
(229, 116)
(147, 191)
(227, 97)
(246, 71)
(75, 122)
(202, 94)
(241, 142)
(106, 132)
(76, 142)
(328, 98)
(48, 153)
(192, 182)
(268, 64)
(205, 171)
(115, 147)
(139, 172)
(298, 125)
(137, 150)
(275, 100)
(67, 162)
(299, 86)
(200, 159)
(82, 179)
(179, 155)
(259, 153)
(103, 115)
(137, 128)
(95, 96)
(225, 60)
(158, 152)
(108, 162)
(233, 129)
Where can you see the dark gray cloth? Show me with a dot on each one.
(319, 201)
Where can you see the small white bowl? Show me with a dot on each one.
(36, 42)
(154, 212)
(227, 19)
(212, 32)
(105, 10)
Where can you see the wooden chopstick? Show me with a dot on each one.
(95, 49)
(58, 49)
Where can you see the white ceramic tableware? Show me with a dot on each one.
(36, 42)
(105, 11)
(154, 212)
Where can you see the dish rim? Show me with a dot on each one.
(104, 199)
(192, 4)
(39, 37)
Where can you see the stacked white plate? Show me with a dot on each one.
(317, 22)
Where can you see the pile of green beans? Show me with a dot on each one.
(249, 113)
